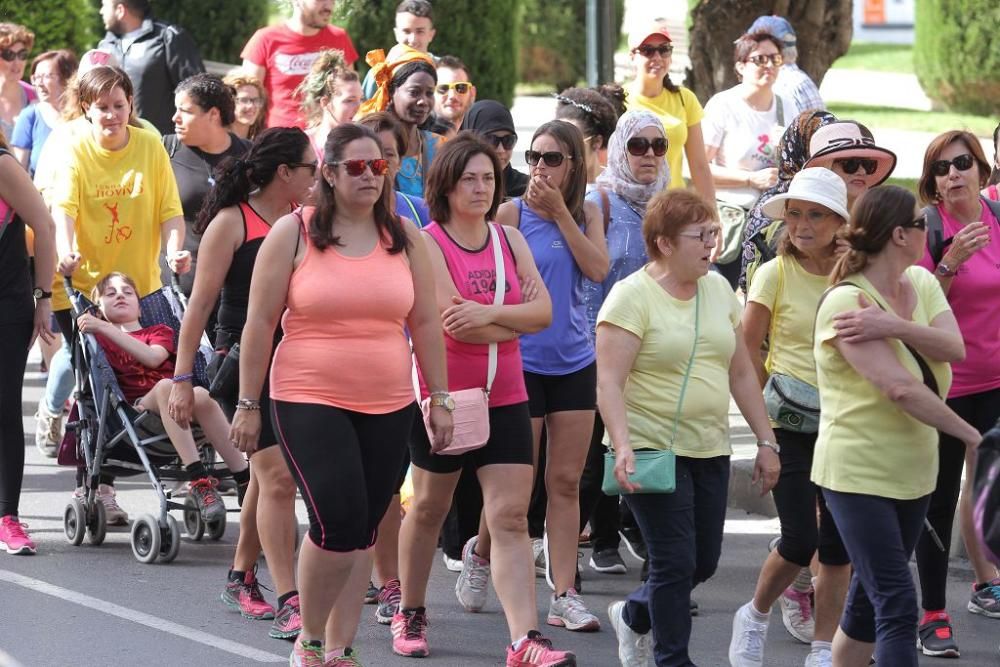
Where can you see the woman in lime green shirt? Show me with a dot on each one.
(669, 352)
(677, 107)
(781, 307)
(885, 337)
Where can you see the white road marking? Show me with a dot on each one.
(141, 618)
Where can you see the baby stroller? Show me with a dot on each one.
(106, 434)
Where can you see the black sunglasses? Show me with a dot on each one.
(962, 163)
(507, 141)
(762, 60)
(311, 166)
(551, 158)
(850, 165)
(10, 55)
(648, 51)
(639, 146)
(919, 222)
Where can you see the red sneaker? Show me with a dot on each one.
(537, 651)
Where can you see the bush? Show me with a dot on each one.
(957, 53)
(220, 28)
(57, 24)
(482, 34)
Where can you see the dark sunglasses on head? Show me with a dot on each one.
(311, 166)
(850, 165)
(919, 222)
(762, 60)
(648, 51)
(551, 158)
(461, 87)
(507, 141)
(962, 163)
(639, 146)
(357, 167)
(11, 55)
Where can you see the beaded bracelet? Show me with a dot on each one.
(187, 377)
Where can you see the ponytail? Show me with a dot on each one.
(851, 262)
(874, 217)
(232, 186)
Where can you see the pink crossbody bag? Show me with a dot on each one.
(472, 406)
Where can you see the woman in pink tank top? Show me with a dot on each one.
(351, 277)
(464, 189)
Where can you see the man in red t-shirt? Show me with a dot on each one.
(281, 56)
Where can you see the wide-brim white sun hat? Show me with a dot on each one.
(818, 185)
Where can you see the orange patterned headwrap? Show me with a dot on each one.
(382, 69)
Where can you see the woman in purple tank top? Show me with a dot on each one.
(464, 189)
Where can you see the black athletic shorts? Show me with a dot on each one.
(509, 443)
(561, 393)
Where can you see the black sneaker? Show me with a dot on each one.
(936, 638)
(694, 608)
(608, 561)
(633, 540)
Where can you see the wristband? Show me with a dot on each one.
(187, 377)
(248, 404)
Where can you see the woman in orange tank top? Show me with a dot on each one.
(353, 277)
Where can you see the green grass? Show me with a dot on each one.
(910, 119)
(877, 57)
(908, 183)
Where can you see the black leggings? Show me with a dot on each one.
(796, 498)
(981, 410)
(14, 339)
(346, 465)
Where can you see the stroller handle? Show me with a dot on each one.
(175, 279)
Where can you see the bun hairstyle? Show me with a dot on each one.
(326, 72)
(875, 215)
(593, 109)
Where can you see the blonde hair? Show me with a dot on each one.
(328, 70)
(237, 80)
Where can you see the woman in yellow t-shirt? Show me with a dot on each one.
(669, 351)
(885, 336)
(676, 106)
(114, 202)
(781, 306)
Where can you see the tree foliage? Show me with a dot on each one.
(823, 30)
(57, 24)
(220, 28)
(483, 34)
(957, 53)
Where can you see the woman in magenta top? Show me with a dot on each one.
(351, 277)
(464, 190)
(965, 259)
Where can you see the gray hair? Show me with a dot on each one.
(790, 54)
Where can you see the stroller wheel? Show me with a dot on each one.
(171, 542)
(75, 522)
(194, 526)
(216, 529)
(97, 525)
(146, 539)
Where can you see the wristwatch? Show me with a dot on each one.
(769, 445)
(39, 293)
(944, 270)
(442, 399)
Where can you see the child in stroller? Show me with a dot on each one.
(142, 360)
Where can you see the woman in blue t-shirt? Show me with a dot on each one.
(50, 72)
(566, 237)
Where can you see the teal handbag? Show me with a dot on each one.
(655, 470)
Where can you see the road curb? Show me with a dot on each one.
(743, 495)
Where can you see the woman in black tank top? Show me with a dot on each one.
(250, 194)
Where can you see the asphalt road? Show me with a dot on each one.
(86, 605)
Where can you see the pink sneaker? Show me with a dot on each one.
(537, 651)
(246, 598)
(288, 621)
(409, 634)
(348, 659)
(311, 655)
(13, 538)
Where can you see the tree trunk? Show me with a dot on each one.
(823, 29)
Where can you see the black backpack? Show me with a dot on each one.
(936, 242)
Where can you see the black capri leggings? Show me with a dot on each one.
(346, 465)
(796, 497)
(14, 339)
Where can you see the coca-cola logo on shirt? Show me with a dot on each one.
(295, 64)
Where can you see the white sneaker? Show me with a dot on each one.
(796, 614)
(451, 564)
(538, 551)
(473, 582)
(568, 611)
(633, 648)
(116, 516)
(48, 431)
(746, 648)
(819, 657)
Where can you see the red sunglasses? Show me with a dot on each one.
(357, 167)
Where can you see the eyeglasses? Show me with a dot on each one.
(648, 51)
(507, 141)
(704, 235)
(248, 101)
(639, 146)
(850, 165)
(357, 167)
(760, 61)
(10, 55)
(962, 163)
(551, 158)
(42, 78)
(461, 87)
(917, 223)
(311, 166)
(814, 216)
